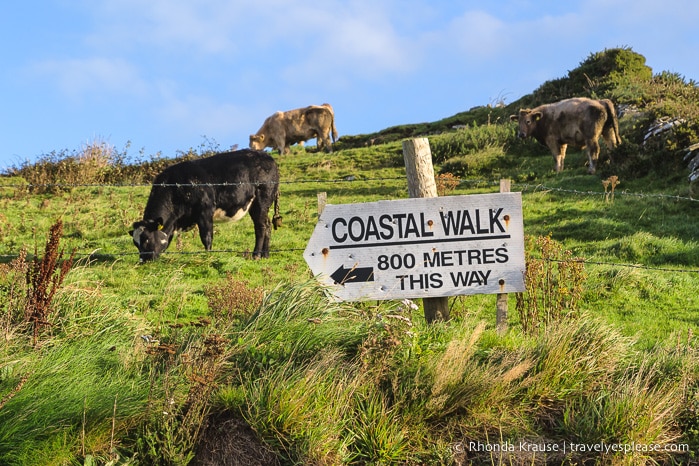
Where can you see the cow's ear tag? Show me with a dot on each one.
(160, 227)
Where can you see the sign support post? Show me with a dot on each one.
(421, 183)
(501, 300)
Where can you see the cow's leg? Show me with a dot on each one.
(609, 137)
(263, 227)
(592, 149)
(327, 146)
(206, 230)
(323, 141)
(281, 144)
(559, 155)
(610, 140)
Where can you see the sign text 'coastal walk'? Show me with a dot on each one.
(420, 247)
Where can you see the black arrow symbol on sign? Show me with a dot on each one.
(352, 275)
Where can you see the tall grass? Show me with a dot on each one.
(445, 385)
(82, 393)
(302, 412)
(297, 321)
(636, 410)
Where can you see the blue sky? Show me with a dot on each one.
(168, 75)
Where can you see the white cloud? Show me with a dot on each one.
(478, 34)
(204, 26)
(203, 115)
(356, 37)
(77, 77)
(342, 41)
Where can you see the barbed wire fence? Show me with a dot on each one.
(473, 183)
(524, 187)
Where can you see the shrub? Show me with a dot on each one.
(59, 171)
(97, 163)
(602, 71)
(598, 76)
(470, 140)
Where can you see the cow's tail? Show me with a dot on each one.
(334, 129)
(611, 126)
(276, 218)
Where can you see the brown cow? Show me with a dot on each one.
(283, 129)
(610, 132)
(578, 121)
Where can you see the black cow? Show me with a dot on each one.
(190, 193)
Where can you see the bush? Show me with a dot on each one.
(97, 163)
(598, 76)
(470, 140)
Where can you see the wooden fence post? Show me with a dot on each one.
(421, 183)
(501, 302)
(322, 200)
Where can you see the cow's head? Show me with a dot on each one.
(149, 238)
(257, 141)
(527, 121)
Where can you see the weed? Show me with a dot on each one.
(44, 277)
(13, 294)
(233, 298)
(610, 183)
(389, 331)
(186, 366)
(553, 283)
(446, 183)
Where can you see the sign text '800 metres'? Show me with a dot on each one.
(420, 247)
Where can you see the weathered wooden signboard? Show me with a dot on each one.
(420, 247)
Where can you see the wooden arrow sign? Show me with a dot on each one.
(421, 247)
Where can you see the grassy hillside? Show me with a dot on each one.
(106, 361)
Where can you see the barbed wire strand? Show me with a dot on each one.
(92, 256)
(347, 179)
(351, 179)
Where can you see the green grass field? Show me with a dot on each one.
(360, 386)
(214, 358)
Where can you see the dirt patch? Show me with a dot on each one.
(228, 440)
